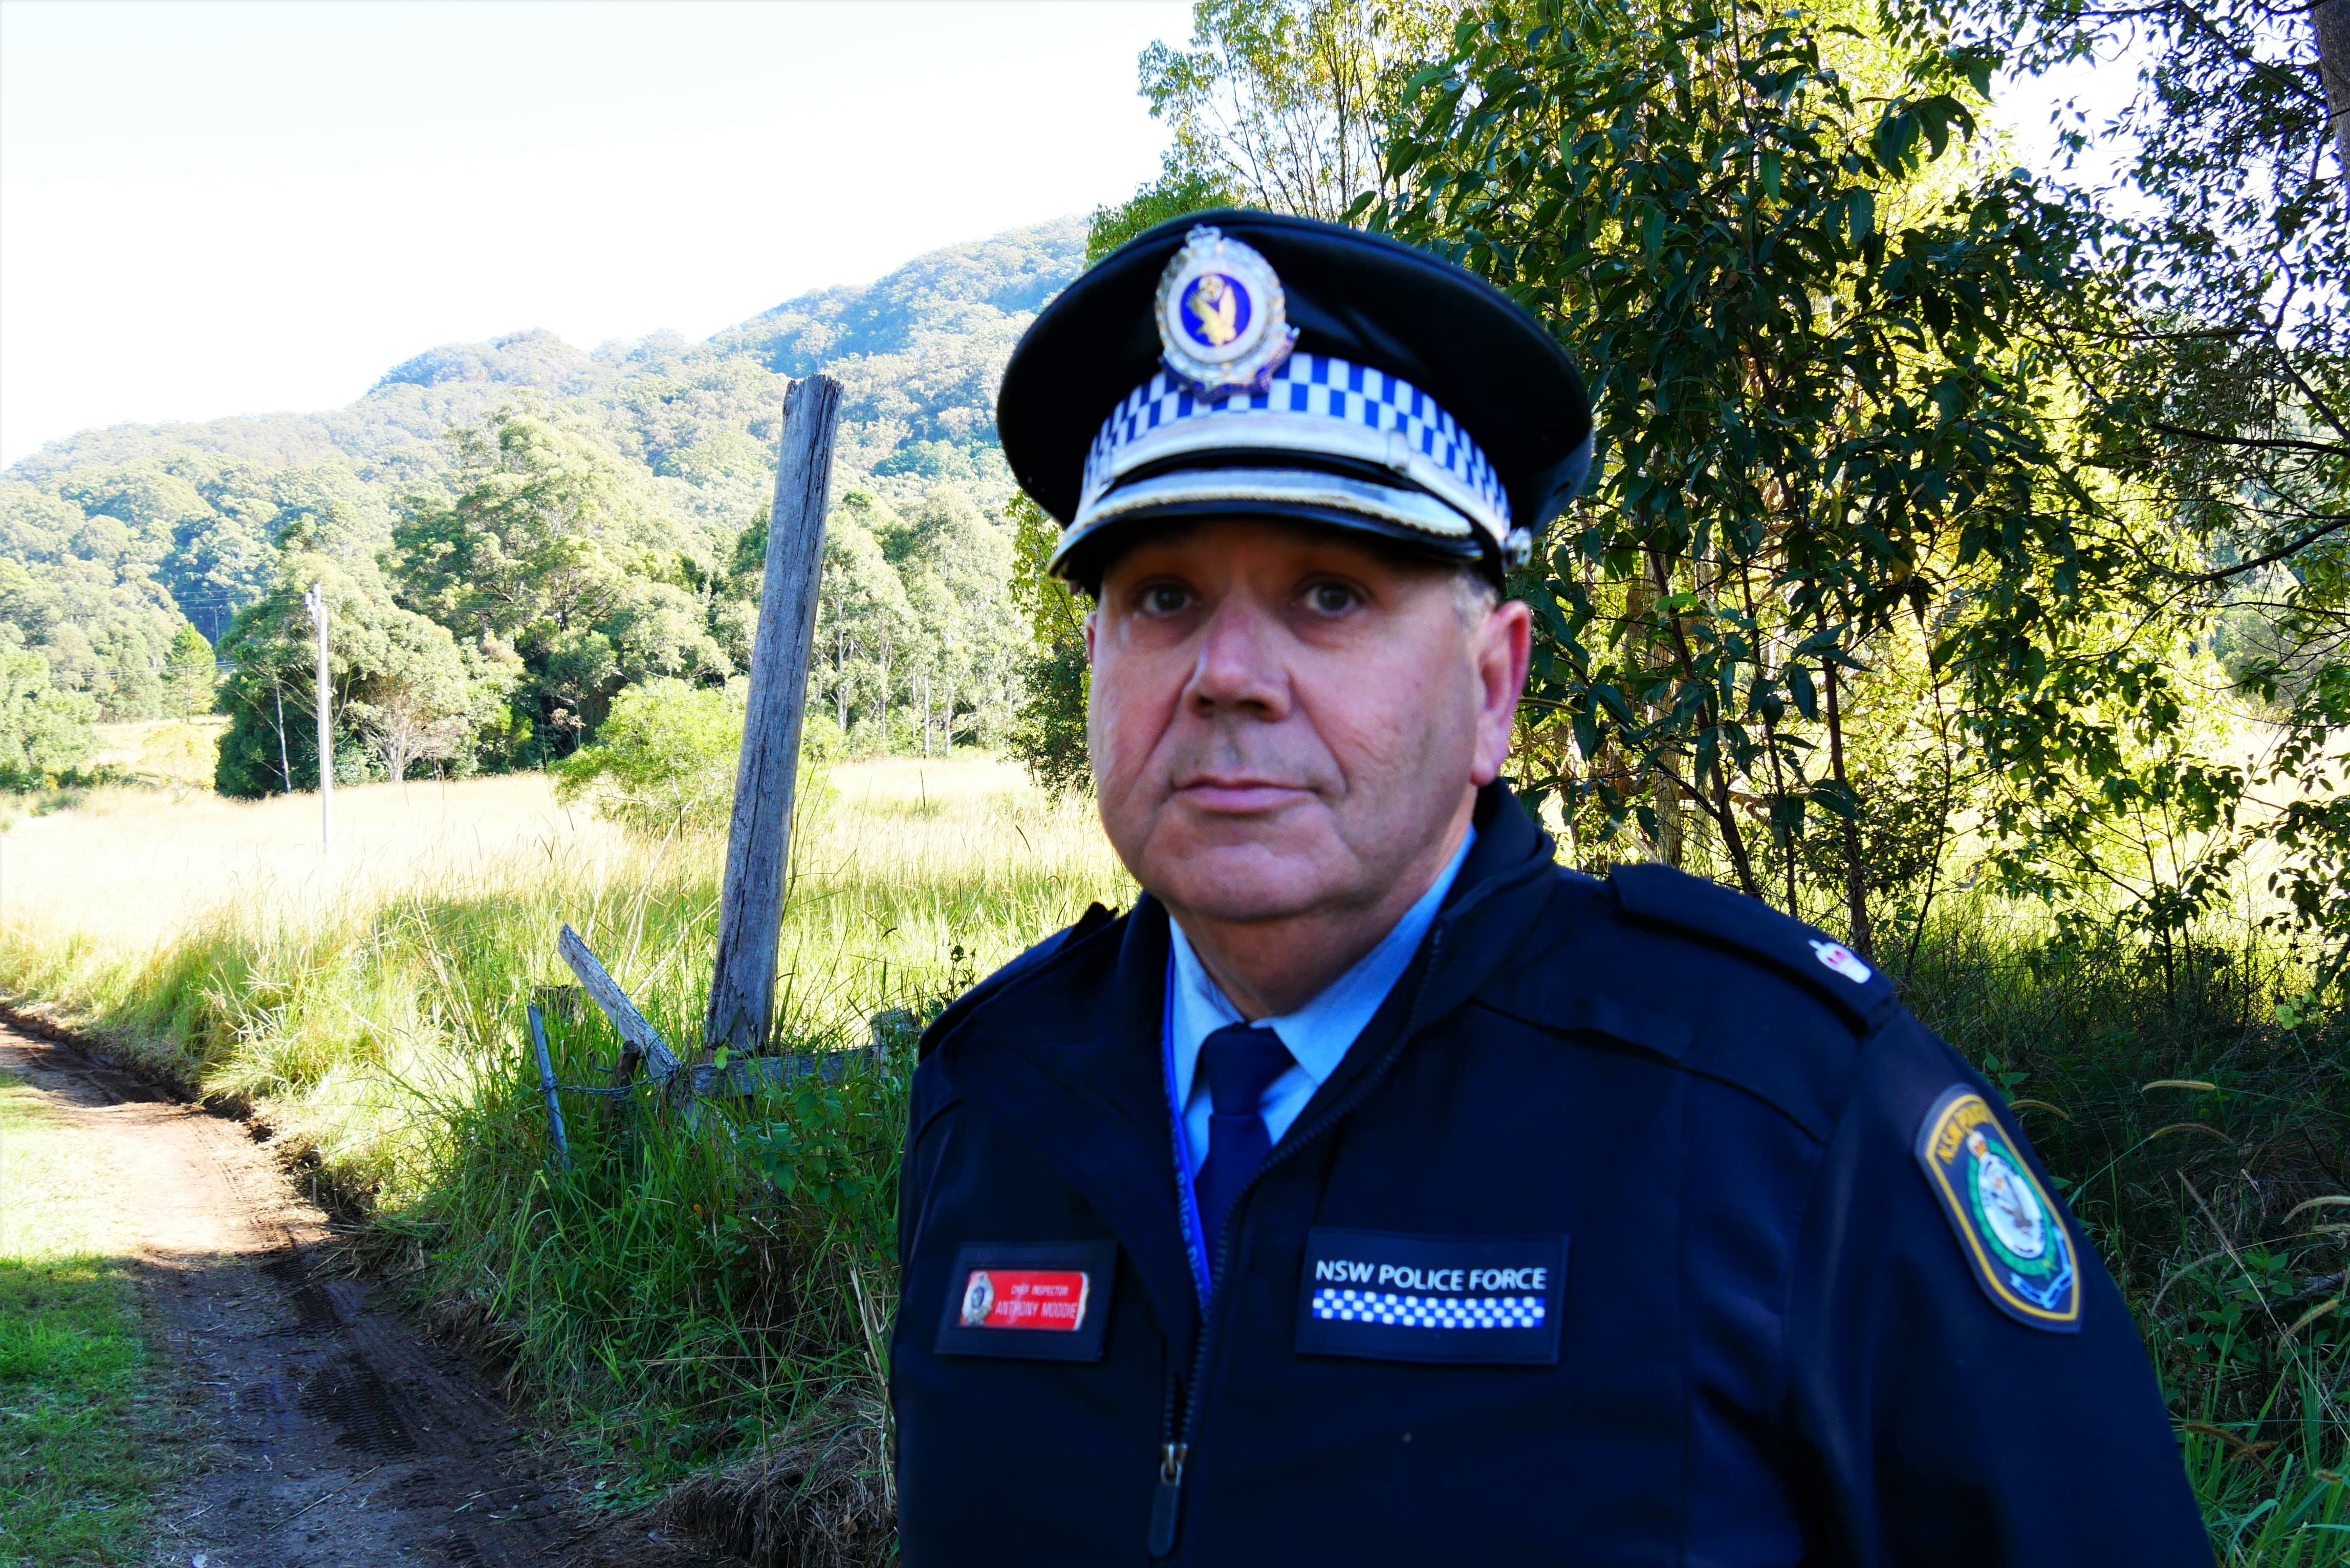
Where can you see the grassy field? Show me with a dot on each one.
(700, 1300)
(688, 1290)
(79, 1410)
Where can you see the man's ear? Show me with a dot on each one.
(1499, 650)
(1090, 635)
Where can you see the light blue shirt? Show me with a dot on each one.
(1318, 1034)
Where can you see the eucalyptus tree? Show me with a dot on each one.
(1279, 104)
(43, 731)
(402, 690)
(555, 549)
(864, 619)
(956, 566)
(1830, 425)
(2224, 232)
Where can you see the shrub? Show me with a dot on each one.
(663, 761)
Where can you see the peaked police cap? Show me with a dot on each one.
(1248, 364)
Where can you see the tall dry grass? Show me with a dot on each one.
(358, 998)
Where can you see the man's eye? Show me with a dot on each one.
(1165, 598)
(1331, 598)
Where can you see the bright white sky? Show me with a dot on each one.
(209, 208)
(212, 209)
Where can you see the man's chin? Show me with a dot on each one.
(1241, 884)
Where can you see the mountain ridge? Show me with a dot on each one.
(898, 317)
(111, 537)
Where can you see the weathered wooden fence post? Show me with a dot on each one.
(750, 906)
(640, 1041)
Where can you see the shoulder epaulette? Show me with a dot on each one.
(1823, 966)
(1092, 920)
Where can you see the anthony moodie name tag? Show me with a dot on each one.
(1432, 1298)
(1045, 1300)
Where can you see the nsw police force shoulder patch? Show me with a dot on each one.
(2013, 1236)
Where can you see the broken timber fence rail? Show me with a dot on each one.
(740, 1019)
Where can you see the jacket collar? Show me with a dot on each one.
(1498, 897)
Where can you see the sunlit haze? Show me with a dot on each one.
(210, 209)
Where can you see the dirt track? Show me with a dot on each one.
(342, 1436)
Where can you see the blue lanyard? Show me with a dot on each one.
(1187, 1198)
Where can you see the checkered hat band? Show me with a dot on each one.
(1428, 1312)
(1315, 404)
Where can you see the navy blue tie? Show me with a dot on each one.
(1241, 1063)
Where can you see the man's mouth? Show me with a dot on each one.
(1238, 794)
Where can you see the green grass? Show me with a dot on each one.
(2205, 1146)
(79, 1417)
(689, 1288)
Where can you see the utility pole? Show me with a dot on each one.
(316, 600)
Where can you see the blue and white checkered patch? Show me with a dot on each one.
(1428, 1312)
(1315, 404)
(1377, 1294)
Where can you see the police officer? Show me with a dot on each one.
(1375, 1191)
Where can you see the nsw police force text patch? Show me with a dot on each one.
(1386, 1297)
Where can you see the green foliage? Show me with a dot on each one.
(44, 732)
(957, 568)
(1837, 446)
(2227, 238)
(191, 675)
(1174, 195)
(1279, 104)
(556, 548)
(819, 1151)
(664, 761)
(401, 688)
(917, 608)
(103, 566)
(1048, 731)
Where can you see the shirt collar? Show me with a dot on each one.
(1319, 1033)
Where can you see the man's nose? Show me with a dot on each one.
(1239, 667)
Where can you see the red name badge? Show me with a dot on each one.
(1050, 1299)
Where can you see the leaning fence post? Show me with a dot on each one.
(751, 903)
(640, 1041)
(546, 1087)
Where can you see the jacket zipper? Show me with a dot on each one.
(1181, 1415)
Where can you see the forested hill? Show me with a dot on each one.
(109, 538)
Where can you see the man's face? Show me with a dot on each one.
(1285, 721)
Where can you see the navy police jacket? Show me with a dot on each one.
(1642, 1225)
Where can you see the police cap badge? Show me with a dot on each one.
(1241, 364)
(1223, 324)
(2013, 1237)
